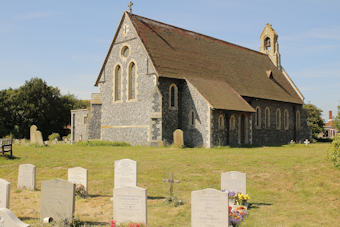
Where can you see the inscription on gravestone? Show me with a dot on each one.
(129, 205)
(209, 208)
(57, 199)
(234, 181)
(125, 173)
(4, 193)
(26, 176)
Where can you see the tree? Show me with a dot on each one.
(337, 119)
(315, 122)
(35, 103)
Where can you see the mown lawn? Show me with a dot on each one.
(291, 185)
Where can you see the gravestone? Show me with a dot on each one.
(4, 193)
(78, 175)
(8, 219)
(36, 136)
(57, 200)
(26, 176)
(178, 138)
(129, 205)
(234, 181)
(125, 173)
(209, 208)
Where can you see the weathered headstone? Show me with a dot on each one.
(26, 176)
(4, 193)
(209, 208)
(178, 138)
(130, 205)
(57, 200)
(234, 181)
(33, 131)
(8, 219)
(39, 138)
(125, 173)
(78, 175)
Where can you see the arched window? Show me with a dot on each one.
(278, 118)
(132, 81)
(173, 97)
(286, 119)
(267, 117)
(298, 121)
(232, 122)
(117, 81)
(221, 121)
(258, 117)
(191, 118)
(125, 51)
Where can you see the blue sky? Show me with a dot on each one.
(65, 41)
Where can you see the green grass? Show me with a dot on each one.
(291, 185)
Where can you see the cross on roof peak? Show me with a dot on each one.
(130, 6)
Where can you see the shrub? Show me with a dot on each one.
(54, 136)
(334, 154)
(102, 143)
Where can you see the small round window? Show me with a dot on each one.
(125, 51)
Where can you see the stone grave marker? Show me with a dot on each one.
(33, 130)
(57, 200)
(178, 138)
(78, 175)
(125, 173)
(26, 176)
(4, 193)
(9, 219)
(130, 205)
(234, 181)
(306, 142)
(209, 208)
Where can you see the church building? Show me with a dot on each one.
(157, 78)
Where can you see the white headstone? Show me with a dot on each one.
(130, 205)
(78, 175)
(8, 219)
(57, 200)
(209, 208)
(234, 181)
(125, 173)
(4, 193)
(26, 176)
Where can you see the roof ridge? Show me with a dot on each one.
(200, 34)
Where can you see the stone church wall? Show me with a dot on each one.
(94, 124)
(127, 120)
(79, 122)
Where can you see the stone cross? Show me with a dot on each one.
(306, 142)
(171, 181)
(130, 6)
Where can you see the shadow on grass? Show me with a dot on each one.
(92, 223)
(156, 197)
(258, 205)
(97, 195)
(8, 157)
(28, 219)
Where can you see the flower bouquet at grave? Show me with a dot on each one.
(238, 198)
(80, 191)
(236, 216)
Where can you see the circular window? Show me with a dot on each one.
(125, 51)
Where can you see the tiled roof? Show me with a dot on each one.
(221, 71)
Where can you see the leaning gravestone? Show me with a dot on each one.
(4, 193)
(234, 181)
(36, 136)
(78, 175)
(26, 176)
(8, 219)
(178, 138)
(57, 200)
(129, 205)
(209, 208)
(125, 173)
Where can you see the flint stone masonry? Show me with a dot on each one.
(8, 219)
(234, 181)
(4, 193)
(79, 129)
(178, 138)
(125, 173)
(57, 200)
(78, 175)
(26, 176)
(130, 205)
(209, 208)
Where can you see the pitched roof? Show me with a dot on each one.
(221, 71)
